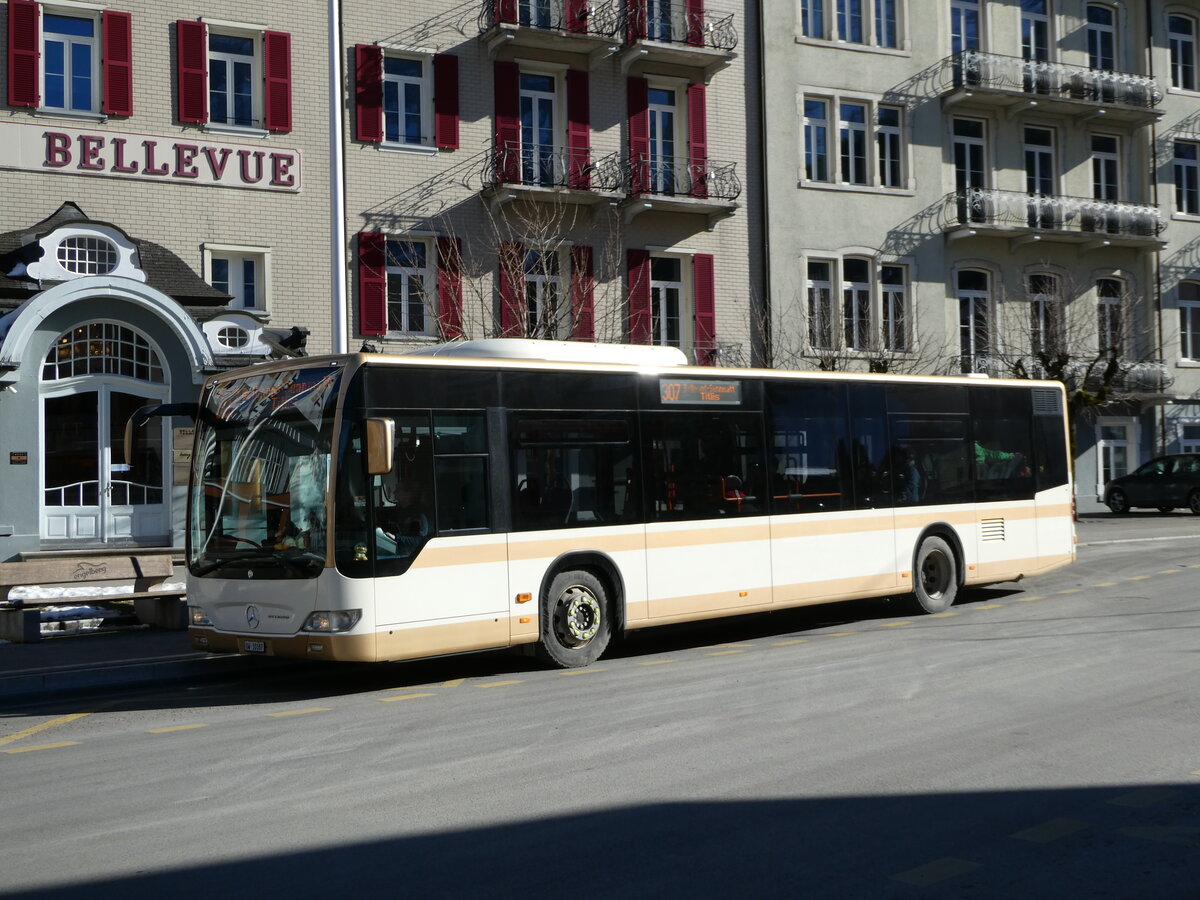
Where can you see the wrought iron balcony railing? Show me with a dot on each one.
(1127, 376)
(674, 22)
(1015, 210)
(597, 17)
(552, 167)
(991, 71)
(674, 177)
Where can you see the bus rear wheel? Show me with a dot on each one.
(935, 575)
(576, 620)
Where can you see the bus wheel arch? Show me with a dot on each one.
(578, 607)
(938, 569)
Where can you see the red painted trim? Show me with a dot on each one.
(191, 70)
(639, 296)
(24, 54)
(512, 284)
(705, 305)
(277, 57)
(449, 287)
(583, 294)
(508, 121)
(698, 138)
(638, 93)
(368, 93)
(372, 283)
(116, 62)
(579, 129)
(445, 101)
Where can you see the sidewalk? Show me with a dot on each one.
(83, 662)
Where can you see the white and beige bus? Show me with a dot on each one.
(486, 495)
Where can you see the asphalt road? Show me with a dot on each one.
(1040, 740)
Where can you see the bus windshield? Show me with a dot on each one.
(260, 475)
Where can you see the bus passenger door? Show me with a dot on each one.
(708, 544)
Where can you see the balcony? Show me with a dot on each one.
(589, 27)
(705, 187)
(677, 35)
(551, 175)
(1026, 218)
(1125, 379)
(1015, 85)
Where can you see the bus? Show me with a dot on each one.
(507, 492)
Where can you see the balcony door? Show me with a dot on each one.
(538, 121)
(663, 125)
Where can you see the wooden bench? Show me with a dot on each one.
(20, 618)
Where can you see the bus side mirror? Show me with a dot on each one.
(381, 439)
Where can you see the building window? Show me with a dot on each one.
(1045, 311)
(241, 272)
(886, 29)
(866, 22)
(233, 77)
(1189, 437)
(1189, 320)
(820, 304)
(1181, 39)
(1101, 37)
(666, 300)
(409, 281)
(812, 18)
(887, 138)
(850, 21)
(1109, 295)
(1105, 167)
(856, 303)
(894, 309)
(405, 101)
(87, 255)
(544, 311)
(1040, 177)
(853, 139)
(1114, 452)
(69, 46)
(816, 140)
(1187, 177)
(964, 25)
(665, 119)
(232, 99)
(539, 119)
(102, 348)
(974, 319)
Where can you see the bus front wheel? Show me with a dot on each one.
(576, 621)
(935, 575)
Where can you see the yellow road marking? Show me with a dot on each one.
(840, 633)
(725, 652)
(1137, 578)
(729, 644)
(173, 728)
(656, 662)
(1071, 591)
(1169, 572)
(938, 870)
(492, 684)
(988, 606)
(298, 712)
(944, 615)
(403, 697)
(41, 747)
(37, 729)
(582, 671)
(1050, 831)
(1105, 584)
(790, 643)
(1143, 797)
(894, 624)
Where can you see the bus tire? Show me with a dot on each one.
(576, 620)
(935, 575)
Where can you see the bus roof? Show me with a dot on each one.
(558, 351)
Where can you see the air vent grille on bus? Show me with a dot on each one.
(991, 529)
(1047, 402)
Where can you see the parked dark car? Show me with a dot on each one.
(1163, 483)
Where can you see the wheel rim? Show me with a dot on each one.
(1117, 501)
(576, 616)
(935, 574)
(1194, 501)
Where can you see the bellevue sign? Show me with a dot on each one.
(36, 148)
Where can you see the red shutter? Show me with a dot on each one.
(512, 311)
(372, 283)
(638, 91)
(577, 16)
(694, 17)
(116, 62)
(704, 288)
(583, 291)
(639, 296)
(449, 287)
(508, 122)
(24, 78)
(698, 139)
(368, 93)
(635, 20)
(277, 54)
(579, 130)
(505, 10)
(445, 101)
(191, 70)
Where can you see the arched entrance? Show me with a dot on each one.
(92, 380)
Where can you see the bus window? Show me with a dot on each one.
(701, 466)
(1002, 444)
(403, 498)
(809, 447)
(870, 453)
(929, 460)
(1049, 440)
(460, 471)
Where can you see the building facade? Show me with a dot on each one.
(1002, 188)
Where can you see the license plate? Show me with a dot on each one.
(254, 646)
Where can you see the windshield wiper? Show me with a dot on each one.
(301, 563)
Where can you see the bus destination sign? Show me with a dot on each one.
(691, 391)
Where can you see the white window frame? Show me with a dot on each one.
(856, 327)
(424, 83)
(879, 10)
(810, 9)
(405, 276)
(1104, 164)
(239, 253)
(967, 142)
(1096, 31)
(868, 134)
(659, 323)
(541, 282)
(976, 345)
(1110, 315)
(1186, 444)
(1048, 154)
(819, 293)
(1104, 444)
(1179, 45)
(1189, 322)
(1029, 48)
(834, 19)
(815, 128)
(844, 19)
(257, 123)
(889, 147)
(853, 152)
(892, 297)
(677, 170)
(1186, 174)
(95, 42)
(960, 10)
(1047, 313)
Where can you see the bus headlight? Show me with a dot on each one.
(198, 616)
(332, 620)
